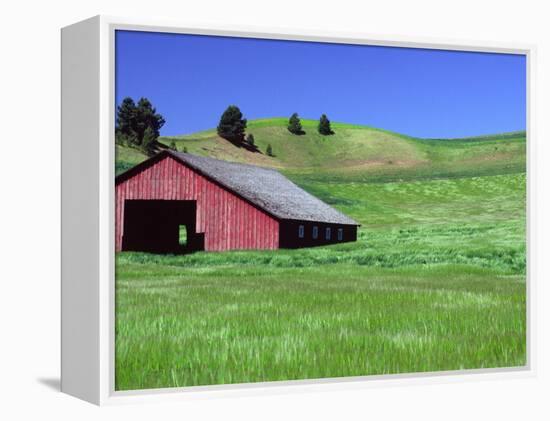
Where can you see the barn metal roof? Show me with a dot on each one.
(266, 188)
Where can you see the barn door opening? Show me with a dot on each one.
(161, 226)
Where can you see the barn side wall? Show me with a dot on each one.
(227, 221)
(289, 234)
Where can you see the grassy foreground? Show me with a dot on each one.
(198, 326)
(408, 296)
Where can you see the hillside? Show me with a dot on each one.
(355, 153)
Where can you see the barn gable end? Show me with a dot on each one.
(226, 221)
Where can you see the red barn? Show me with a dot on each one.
(177, 202)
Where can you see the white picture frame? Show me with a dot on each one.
(88, 310)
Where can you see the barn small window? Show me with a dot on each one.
(183, 235)
(301, 231)
(327, 234)
(315, 233)
(340, 234)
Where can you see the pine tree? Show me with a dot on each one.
(269, 150)
(295, 125)
(250, 139)
(324, 126)
(138, 124)
(149, 141)
(232, 124)
(147, 118)
(125, 121)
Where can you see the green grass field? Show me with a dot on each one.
(436, 280)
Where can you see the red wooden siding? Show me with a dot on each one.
(227, 221)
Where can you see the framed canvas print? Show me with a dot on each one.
(246, 209)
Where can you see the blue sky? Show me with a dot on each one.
(426, 93)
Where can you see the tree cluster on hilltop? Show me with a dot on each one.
(232, 127)
(138, 124)
(295, 125)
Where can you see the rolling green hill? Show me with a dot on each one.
(358, 153)
(367, 173)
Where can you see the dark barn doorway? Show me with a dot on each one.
(161, 226)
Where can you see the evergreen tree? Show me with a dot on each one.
(250, 139)
(125, 121)
(147, 118)
(122, 139)
(269, 150)
(232, 124)
(149, 141)
(295, 125)
(138, 124)
(324, 126)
